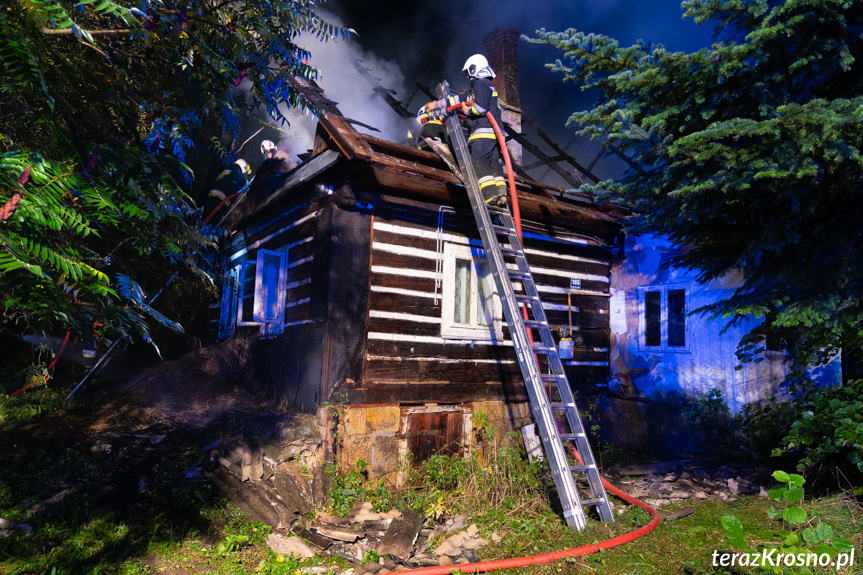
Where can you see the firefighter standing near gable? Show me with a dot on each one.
(484, 151)
(276, 162)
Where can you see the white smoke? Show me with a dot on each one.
(353, 94)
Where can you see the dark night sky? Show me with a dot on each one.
(430, 41)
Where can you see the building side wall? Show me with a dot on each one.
(290, 364)
(407, 359)
(707, 361)
(672, 378)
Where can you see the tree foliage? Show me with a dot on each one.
(101, 104)
(748, 154)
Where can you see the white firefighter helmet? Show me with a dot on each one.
(477, 67)
(244, 166)
(268, 147)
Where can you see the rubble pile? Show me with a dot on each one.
(273, 478)
(660, 484)
(380, 543)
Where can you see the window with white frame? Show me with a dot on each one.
(470, 307)
(662, 317)
(254, 294)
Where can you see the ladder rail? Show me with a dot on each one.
(562, 471)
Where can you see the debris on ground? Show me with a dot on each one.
(399, 539)
(8, 528)
(667, 482)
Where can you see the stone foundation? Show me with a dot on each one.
(380, 435)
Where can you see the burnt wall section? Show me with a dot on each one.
(291, 364)
(347, 296)
(407, 357)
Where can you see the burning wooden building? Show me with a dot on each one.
(362, 273)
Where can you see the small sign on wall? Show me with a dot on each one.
(574, 283)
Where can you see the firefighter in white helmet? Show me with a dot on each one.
(268, 149)
(276, 162)
(484, 150)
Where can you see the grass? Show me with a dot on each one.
(105, 525)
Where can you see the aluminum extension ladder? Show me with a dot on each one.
(553, 430)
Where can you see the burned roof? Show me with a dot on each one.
(417, 174)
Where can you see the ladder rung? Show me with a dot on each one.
(543, 349)
(526, 298)
(552, 377)
(518, 275)
(581, 468)
(596, 501)
(502, 229)
(509, 252)
(569, 436)
(532, 323)
(563, 405)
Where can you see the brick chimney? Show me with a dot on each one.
(502, 53)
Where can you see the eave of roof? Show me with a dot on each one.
(416, 172)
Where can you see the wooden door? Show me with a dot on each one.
(434, 433)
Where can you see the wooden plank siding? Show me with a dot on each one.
(294, 234)
(405, 353)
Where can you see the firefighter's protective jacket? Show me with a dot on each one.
(483, 94)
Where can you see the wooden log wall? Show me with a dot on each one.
(291, 364)
(293, 232)
(406, 357)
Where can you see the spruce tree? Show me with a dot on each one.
(748, 154)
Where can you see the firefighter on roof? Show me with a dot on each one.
(426, 126)
(228, 183)
(484, 151)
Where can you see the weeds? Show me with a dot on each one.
(346, 489)
(502, 483)
(802, 544)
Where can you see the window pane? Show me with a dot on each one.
(461, 308)
(247, 281)
(652, 309)
(485, 301)
(270, 286)
(676, 318)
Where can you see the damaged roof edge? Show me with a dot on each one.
(302, 174)
(345, 141)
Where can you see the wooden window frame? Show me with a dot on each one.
(473, 330)
(269, 326)
(228, 307)
(663, 318)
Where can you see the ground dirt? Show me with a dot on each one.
(126, 454)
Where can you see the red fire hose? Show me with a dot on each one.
(484, 566)
(222, 203)
(37, 379)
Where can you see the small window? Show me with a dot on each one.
(228, 307)
(470, 308)
(246, 294)
(663, 317)
(676, 318)
(269, 272)
(254, 294)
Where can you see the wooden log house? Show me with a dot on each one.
(362, 273)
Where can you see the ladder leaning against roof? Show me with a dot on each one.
(500, 240)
